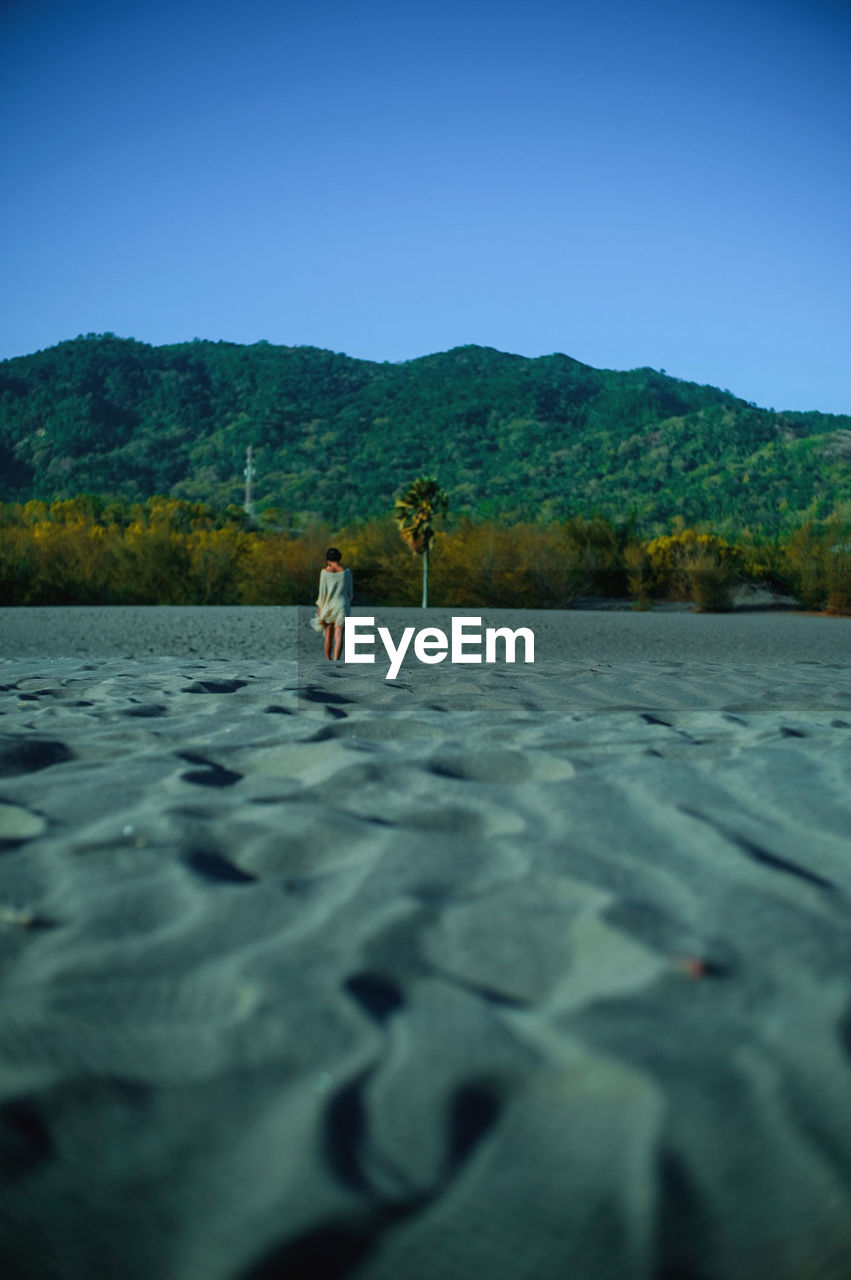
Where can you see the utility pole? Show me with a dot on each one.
(249, 484)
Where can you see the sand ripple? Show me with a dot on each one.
(521, 973)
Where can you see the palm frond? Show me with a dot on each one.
(416, 509)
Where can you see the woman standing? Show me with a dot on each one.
(335, 600)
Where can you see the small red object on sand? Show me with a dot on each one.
(694, 966)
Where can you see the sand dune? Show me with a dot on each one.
(520, 972)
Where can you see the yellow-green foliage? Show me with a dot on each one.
(690, 565)
(521, 566)
(817, 564)
(78, 551)
(55, 555)
(639, 574)
(384, 568)
(279, 569)
(89, 550)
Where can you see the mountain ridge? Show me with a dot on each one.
(335, 437)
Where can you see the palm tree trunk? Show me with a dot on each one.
(425, 577)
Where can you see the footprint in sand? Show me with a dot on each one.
(210, 774)
(214, 686)
(28, 755)
(216, 869)
(500, 766)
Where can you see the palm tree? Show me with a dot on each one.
(421, 503)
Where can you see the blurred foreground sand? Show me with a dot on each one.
(521, 972)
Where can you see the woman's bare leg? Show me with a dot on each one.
(338, 642)
(328, 630)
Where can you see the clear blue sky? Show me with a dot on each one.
(665, 183)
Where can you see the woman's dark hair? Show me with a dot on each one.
(333, 554)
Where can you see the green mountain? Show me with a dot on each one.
(337, 438)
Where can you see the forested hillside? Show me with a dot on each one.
(336, 438)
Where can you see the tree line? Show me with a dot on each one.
(97, 550)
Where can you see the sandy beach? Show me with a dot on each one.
(511, 972)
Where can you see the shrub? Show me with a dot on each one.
(690, 565)
(838, 575)
(279, 569)
(639, 574)
(709, 581)
(816, 564)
